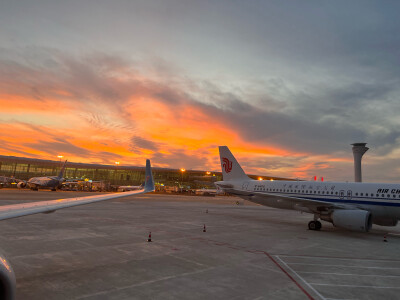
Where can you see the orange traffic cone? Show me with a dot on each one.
(149, 239)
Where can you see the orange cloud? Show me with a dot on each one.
(100, 115)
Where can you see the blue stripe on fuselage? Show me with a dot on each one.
(341, 201)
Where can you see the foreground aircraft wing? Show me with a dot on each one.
(25, 209)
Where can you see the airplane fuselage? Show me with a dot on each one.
(44, 182)
(381, 200)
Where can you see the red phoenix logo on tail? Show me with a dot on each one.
(226, 164)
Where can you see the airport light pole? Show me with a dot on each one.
(182, 171)
(117, 163)
(59, 157)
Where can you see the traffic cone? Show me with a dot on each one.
(204, 228)
(149, 239)
(384, 238)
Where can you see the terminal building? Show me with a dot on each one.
(111, 175)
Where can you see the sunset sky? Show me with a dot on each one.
(287, 85)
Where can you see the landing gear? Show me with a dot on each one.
(314, 225)
(53, 189)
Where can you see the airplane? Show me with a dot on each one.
(7, 276)
(353, 206)
(124, 188)
(52, 182)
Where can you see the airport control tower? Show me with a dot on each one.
(358, 151)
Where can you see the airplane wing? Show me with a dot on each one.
(25, 209)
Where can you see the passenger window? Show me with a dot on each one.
(388, 196)
(336, 193)
(356, 194)
(361, 194)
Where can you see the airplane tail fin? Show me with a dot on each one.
(149, 181)
(231, 170)
(61, 174)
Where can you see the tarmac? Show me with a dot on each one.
(100, 251)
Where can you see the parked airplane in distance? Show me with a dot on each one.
(124, 188)
(7, 276)
(354, 206)
(52, 182)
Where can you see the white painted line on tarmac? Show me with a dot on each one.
(337, 258)
(301, 278)
(345, 274)
(339, 299)
(188, 260)
(357, 286)
(116, 289)
(343, 266)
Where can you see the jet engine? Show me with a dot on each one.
(356, 220)
(21, 184)
(7, 280)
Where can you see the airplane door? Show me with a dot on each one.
(341, 194)
(349, 195)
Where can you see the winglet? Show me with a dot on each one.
(149, 181)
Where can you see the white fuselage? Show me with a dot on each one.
(49, 182)
(382, 200)
(124, 188)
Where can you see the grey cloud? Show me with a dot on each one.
(181, 159)
(138, 143)
(101, 122)
(106, 157)
(56, 147)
